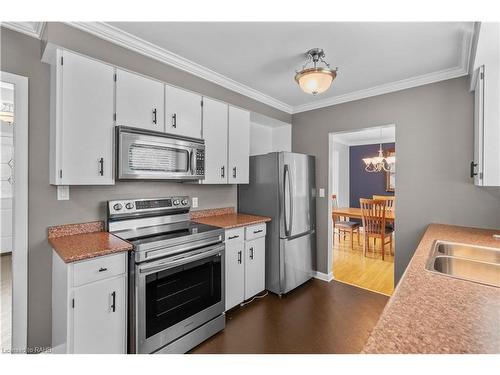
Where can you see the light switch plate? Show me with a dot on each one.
(63, 193)
(321, 192)
(194, 204)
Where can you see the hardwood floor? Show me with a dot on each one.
(5, 301)
(317, 317)
(370, 272)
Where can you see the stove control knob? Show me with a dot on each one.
(129, 206)
(117, 206)
(184, 202)
(176, 202)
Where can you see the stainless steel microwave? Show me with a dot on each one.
(150, 155)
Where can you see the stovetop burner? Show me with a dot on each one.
(158, 227)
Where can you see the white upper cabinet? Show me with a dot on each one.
(139, 101)
(238, 145)
(485, 169)
(81, 121)
(182, 112)
(215, 135)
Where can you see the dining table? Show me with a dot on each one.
(355, 213)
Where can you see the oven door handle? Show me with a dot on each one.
(164, 265)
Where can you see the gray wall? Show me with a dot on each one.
(20, 54)
(434, 130)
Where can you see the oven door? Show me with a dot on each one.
(158, 156)
(176, 295)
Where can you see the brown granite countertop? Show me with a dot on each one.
(74, 242)
(226, 218)
(432, 313)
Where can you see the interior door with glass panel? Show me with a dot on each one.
(6, 206)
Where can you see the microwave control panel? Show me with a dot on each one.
(200, 162)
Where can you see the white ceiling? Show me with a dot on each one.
(378, 134)
(259, 59)
(264, 56)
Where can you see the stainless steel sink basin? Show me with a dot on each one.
(466, 262)
(482, 254)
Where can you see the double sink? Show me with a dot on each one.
(467, 262)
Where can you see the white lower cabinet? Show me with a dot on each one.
(89, 305)
(255, 267)
(245, 263)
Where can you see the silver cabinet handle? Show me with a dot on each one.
(234, 172)
(251, 253)
(258, 231)
(222, 171)
(239, 257)
(101, 166)
(154, 116)
(174, 120)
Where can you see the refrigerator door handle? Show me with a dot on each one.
(288, 215)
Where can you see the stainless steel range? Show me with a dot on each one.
(176, 274)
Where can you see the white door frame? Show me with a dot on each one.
(331, 177)
(20, 213)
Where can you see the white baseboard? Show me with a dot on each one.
(323, 276)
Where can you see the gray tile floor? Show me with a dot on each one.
(6, 300)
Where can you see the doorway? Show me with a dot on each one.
(356, 254)
(13, 212)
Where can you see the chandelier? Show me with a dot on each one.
(316, 79)
(379, 163)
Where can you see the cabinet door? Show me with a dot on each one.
(255, 267)
(477, 167)
(100, 316)
(215, 135)
(86, 121)
(238, 145)
(235, 273)
(182, 112)
(139, 101)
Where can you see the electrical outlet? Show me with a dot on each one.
(194, 204)
(63, 193)
(321, 192)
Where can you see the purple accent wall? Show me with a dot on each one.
(363, 184)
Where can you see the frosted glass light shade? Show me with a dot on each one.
(315, 80)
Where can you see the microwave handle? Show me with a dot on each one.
(191, 162)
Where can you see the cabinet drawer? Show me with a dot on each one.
(235, 234)
(255, 231)
(99, 268)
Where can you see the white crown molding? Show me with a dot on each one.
(33, 29)
(129, 41)
(384, 89)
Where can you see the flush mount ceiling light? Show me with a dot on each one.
(316, 79)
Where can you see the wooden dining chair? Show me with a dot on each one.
(374, 224)
(390, 201)
(344, 226)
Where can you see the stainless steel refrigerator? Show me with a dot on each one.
(282, 186)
